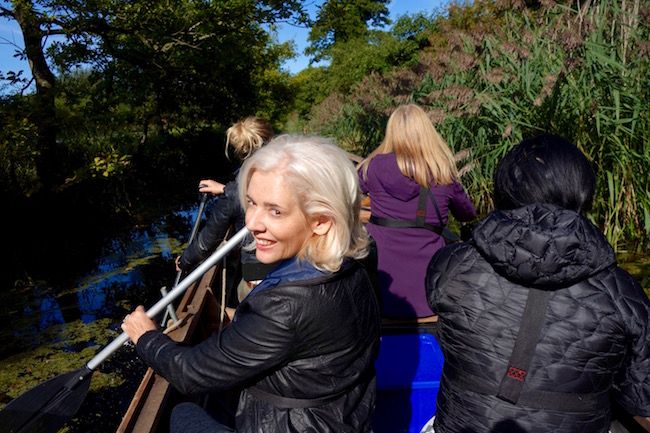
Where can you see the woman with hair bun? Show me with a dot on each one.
(245, 138)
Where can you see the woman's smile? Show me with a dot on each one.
(274, 218)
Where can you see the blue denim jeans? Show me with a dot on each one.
(191, 418)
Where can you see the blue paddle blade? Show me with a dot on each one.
(48, 406)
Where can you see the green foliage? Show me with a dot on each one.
(312, 88)
(195, 61)
(154, 71)
(17, 154)
(166, 78)
(492, 76)
(73, 345)
(356, 59)
(339, 21)
(276, 91)
(413, 33)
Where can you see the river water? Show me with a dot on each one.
(48, 330)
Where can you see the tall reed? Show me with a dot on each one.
(580, 71)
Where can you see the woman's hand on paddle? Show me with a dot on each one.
(137, 324)
(211, 186)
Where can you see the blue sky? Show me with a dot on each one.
(10, 35)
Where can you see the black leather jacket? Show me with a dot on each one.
(594, 340)
(297, 338)
(227, 212)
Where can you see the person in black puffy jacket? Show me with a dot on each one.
(244, 137)
(540, 329)
(303, 343)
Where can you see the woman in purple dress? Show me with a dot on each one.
(411, 168)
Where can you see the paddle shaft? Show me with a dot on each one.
(197, 222)
(172, 295)
(195, 229)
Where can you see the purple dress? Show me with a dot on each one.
(404, 253)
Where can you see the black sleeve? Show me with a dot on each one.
(226, 211)
(256, 343)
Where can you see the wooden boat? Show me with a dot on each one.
(198, 313)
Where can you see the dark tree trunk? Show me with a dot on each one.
(47, 162)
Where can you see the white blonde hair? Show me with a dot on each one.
(324, 182)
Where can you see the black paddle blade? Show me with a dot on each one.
(48, 406)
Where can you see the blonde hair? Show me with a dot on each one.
(248, 135)
(324, 182)
(422, 154)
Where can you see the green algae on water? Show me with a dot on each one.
(72, 345)
(638, 266)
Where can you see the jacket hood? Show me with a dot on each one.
(542, 246)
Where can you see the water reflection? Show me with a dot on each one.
(638, 265)
(41, 322)
(51, 313)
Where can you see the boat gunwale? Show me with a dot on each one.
(144, 414)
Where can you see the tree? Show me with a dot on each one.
(378, 51)
(375, 51)
(33, 34)
(186, 60)
(339, 21)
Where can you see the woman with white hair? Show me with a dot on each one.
(302, 344)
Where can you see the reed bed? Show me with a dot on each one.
(578, 70)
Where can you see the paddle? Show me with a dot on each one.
(170, 308)
(48, 406)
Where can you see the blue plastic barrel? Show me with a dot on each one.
(409, 367)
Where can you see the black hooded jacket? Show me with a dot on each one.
(594, 339)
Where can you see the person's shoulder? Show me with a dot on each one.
(454, 254)
(623, 283)
(460, 248)
(298, 282)
(383, 161)
(231, 189)
(457, 186)
(452, 262)
(386, 157)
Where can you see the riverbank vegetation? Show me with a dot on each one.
(129, 133)
(496, 72)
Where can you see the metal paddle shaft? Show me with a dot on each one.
(197, 222)
(195, 230)
(48, 406)
(173, 294)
